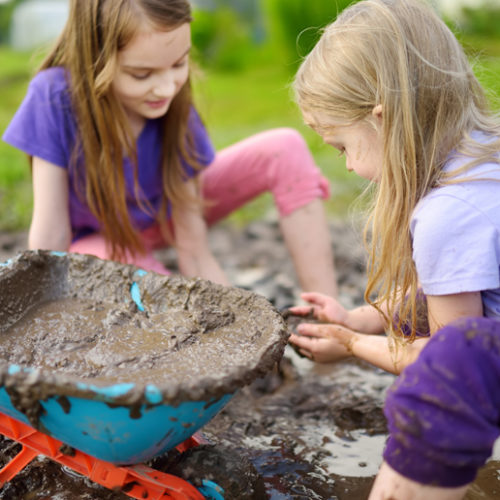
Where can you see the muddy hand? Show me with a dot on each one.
(322, 307)
(323, 343)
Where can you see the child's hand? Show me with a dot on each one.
(322, 308)
(323, 343)
(391, 484)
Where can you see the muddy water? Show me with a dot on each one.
(312, 432)
(318, 432)
(75, 318)
(108, 342)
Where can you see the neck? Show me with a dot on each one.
(137, 124)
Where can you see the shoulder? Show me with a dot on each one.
(202, 144)
(457, 211)
(475, 199)
(195, 123)
(50, 82)
(456, 237)
(44, 124)
(49, 92)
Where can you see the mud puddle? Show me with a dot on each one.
(307, 439)
(311, 431)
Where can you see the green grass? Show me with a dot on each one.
(234, 106)
(15, 184)
(484, 54)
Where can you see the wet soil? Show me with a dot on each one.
(136, 327)
(309, 431)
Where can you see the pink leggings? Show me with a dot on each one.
(277, 161)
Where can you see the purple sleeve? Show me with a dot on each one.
(43, 125)
(443, 411)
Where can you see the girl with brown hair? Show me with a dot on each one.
(121, 160)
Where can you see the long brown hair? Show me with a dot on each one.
(95, 32)
(399, 54)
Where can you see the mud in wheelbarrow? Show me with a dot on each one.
(120, 363)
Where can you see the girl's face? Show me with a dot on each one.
(151, 70)
(361, 142)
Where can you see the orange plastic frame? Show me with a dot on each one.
(136, 481)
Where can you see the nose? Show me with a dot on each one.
(165, 85)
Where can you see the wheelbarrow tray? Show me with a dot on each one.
(204, 341)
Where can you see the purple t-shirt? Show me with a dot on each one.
(45, 126)
(456, 236)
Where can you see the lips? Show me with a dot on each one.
(157, 104)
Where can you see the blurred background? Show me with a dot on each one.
(246, 53)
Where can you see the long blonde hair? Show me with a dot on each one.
(399, 54)
(95, 32)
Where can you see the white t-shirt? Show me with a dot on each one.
(456, 237)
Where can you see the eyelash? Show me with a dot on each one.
(181, 64)
(140, 77)
(143, 77)
(341, 152)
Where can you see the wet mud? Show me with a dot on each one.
(136, 327)
(301, 431)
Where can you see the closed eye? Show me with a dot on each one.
(336, 145)
(140, 76)
(182, 63)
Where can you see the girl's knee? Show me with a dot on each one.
(294, 178)
(287, 144)
(443, 412)
(93, 244)
(289, 138)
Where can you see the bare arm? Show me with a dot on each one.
(193, 252)
(50, 224)
(327, 343)
(442, 309)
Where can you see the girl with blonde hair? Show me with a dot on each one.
(390, 87)
(122, 163)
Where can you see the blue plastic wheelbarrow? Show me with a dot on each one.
(164, 354)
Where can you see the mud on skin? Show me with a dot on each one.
(312, 432)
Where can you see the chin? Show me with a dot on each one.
(157, 113)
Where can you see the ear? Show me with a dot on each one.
(377, 111)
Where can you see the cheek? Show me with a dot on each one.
(125, 89)
(183, 77)
(349, 164)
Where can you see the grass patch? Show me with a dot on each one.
(15, 184)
